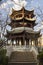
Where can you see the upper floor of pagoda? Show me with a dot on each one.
(23, 13)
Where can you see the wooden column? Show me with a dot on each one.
(31, 42)
(27, 42)
(18, 42)
(12, 41)
(23, 40)
(36, 42)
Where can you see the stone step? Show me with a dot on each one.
(22, 58)
(24, 63)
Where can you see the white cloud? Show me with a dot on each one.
(8, 27)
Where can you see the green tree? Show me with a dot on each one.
(40, 58)
(3, 57)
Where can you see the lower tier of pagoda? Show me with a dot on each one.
(22, 31)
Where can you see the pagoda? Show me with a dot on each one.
(22, 31)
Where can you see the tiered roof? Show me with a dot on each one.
(24, 17)
(21, 29)
(23, 13)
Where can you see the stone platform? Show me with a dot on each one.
(22, 58)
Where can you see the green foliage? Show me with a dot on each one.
(40, 58)
(3, 57)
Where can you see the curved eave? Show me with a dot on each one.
(33, 32)
(15, 32)
(30, 19)
(23, 10)
(13, 10)
(26, 18)
(20, 30)
(27, 31)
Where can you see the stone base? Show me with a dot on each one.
(22, 58)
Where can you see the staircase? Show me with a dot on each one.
(22, 58)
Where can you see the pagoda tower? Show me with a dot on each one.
(22, 23)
